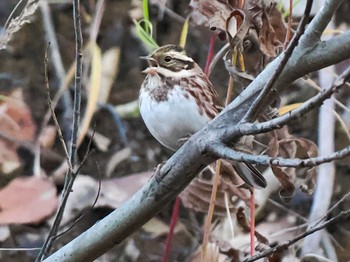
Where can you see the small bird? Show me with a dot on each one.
(177, 99)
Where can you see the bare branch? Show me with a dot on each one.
(221, 151)
(70, 177)
(320, 22)
(77, 82)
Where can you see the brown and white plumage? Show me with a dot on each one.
(177, 99)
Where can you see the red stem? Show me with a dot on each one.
(210, 54)
(170, 235)
(252, 221)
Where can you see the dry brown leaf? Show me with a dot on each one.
(310, 181)
(82, 196)
(281, 145)
(27, 200)
(242, 220)
(227, 16)
(307, 146)
(243, 26)
(16, 123)
(115, 191)
(15, 117)
(210, 13)
(266, 37)
(308, 149)
(288, 187)
(197, 194)
(285, 145)
(271, 42)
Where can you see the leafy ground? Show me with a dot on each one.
(124, 153)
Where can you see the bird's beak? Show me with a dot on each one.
(151, 61)
(145, 57)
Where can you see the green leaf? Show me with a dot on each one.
(145, 37)
(146, 15)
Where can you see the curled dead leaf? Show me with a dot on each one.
(288, 187)
(242, 24)
(285, 145)
(237, 21)
(281, 145)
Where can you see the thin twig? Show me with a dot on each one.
(221, 151)
(70, 177)
(84, 213)
(77, 81)
(54, 229)
(341, 216)
(52, 110)
(61, 97)
(332, 208)
(263, 96)
(304, 219)
(207, 228)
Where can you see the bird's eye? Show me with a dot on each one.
(167, 59)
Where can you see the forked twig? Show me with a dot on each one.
(282, 246)
(52, 110)
(341, 216)
(71, 174)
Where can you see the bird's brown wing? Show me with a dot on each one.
(210, 103)
(206, 97)
(248, 173)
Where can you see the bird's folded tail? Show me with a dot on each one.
(250, 175)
